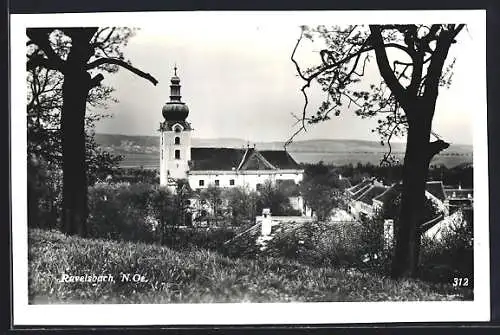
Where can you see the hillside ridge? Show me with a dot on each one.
(311, 145)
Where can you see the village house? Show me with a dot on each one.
(368, 197)
(457, 198)
(361, 195)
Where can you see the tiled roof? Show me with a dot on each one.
(216, 158)
(389, 194)
(436, 189)
(371, 193)
(280, 159)
(226, 159)
(254, 161)
(359, 193)
(356, 188)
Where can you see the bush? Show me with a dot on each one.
(195, 238)
(338, 245)
(146, 213)
(270, 196)
(44, 193)
(121, 212)
(452, 256)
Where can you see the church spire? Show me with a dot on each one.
(175, 87)
(175, 109)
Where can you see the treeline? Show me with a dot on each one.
(459, 175)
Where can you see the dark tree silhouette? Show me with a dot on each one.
(80, 55)
(411, 61)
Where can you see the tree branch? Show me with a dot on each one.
(384, 66)
(116, 61)
(436, 147)
(40, 37)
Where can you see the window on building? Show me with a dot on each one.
(217, 183)
(177, 154)
(201, 182)
(231, 182)
(177, 140)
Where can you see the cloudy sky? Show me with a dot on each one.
(239, 82)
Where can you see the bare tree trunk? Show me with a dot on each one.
(416, 165)
(74, 214)
(76, 88)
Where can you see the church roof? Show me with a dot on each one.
(227, 159)
(280, 158)
(215, 158)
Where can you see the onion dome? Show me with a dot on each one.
(175, 109)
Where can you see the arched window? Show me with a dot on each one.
(177, 154)
(177, 140)
(177, 129)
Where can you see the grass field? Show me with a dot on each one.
(196, 276)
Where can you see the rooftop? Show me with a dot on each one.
(227, 159)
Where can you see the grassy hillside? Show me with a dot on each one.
(196, 276)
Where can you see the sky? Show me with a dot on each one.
(239, 82)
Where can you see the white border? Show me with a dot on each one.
(263, 313)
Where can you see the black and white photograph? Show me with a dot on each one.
(249, 167)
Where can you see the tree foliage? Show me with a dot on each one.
(403, 54)
(270, 196)
(242, 204)
(412, 62)
(321, 190)
(44, 123)
(76, 57)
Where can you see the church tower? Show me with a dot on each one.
(175, 141)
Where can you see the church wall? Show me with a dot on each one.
(248, 179)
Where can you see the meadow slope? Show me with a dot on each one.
(196, 276)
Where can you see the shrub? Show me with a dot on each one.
(451, 256)
(241, 204)
(146, 213)
(195, 238)
(323, 244)
(121, 212)
(44, 193)
(270, 196)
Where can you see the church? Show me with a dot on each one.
(221, 167)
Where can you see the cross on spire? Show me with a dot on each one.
(175, 69)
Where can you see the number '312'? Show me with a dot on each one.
(460, 282)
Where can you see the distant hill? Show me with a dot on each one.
(144, 150)
(316, 145)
